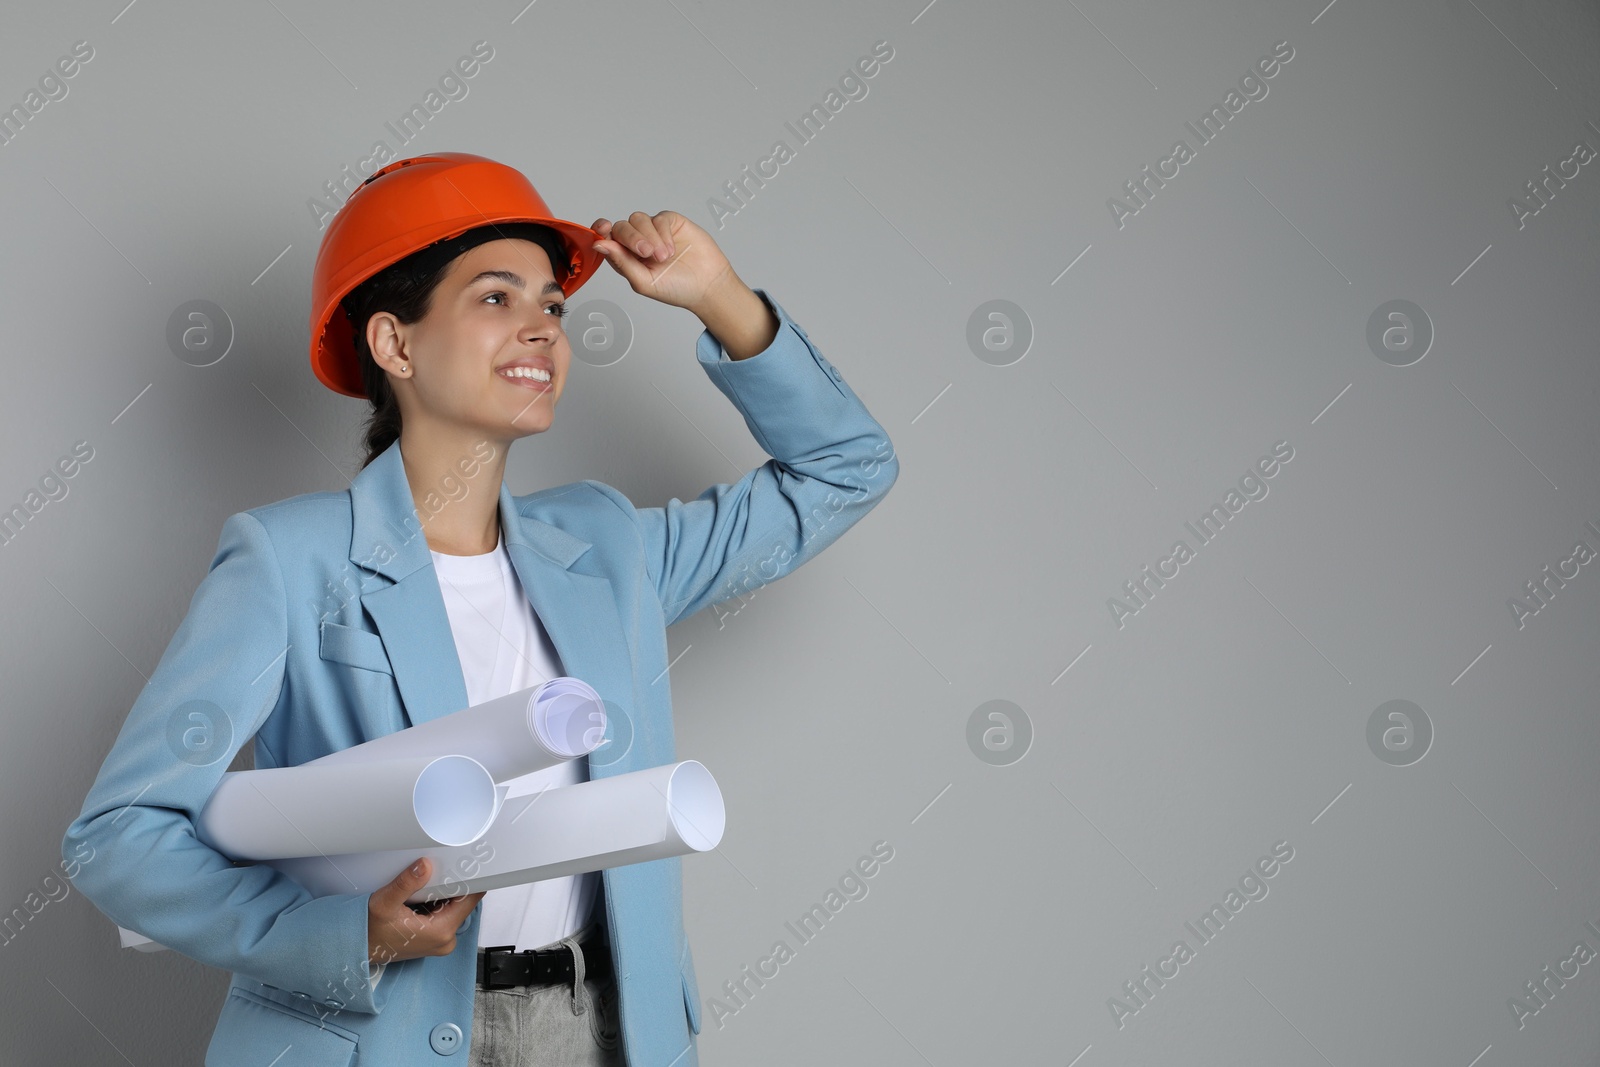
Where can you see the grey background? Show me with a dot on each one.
(1229, 314)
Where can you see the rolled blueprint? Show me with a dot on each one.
(134, 940)
(512, 735)
(415, 802)
(651, 814)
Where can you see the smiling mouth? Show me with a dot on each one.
(528, 383)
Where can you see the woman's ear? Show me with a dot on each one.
(387, 344)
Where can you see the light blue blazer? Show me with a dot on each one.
(320, 625)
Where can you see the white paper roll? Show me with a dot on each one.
(311, 810)
(509, 736)
(137, 941)
(512, 735)
(651, 814)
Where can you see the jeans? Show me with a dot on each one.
(534, 1025)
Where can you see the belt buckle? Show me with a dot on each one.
(488, 962)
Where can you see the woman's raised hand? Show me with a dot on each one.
(665, 257)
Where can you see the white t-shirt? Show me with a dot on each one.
(503, 648)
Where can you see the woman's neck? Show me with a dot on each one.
(455, 486)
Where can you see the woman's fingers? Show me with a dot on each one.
(657, 229)
(618, 233)
(642, 238)
(647, 237)
(629, 238)
(613, 234)
(397, 930)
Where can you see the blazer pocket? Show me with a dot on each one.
(253, 1027)
(357, 648)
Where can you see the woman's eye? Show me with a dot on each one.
(559, 308)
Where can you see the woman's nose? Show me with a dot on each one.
(543, 328)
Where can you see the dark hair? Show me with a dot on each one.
(405, 290)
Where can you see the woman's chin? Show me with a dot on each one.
(531, 420)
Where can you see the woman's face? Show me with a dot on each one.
(497, 307)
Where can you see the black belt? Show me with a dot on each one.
(502, 966)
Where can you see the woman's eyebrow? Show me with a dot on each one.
(514, 279)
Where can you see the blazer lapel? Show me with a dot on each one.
(386, 537)
(578, 610)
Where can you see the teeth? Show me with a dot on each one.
(526, 372)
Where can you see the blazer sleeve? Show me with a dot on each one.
(218, 680)
(831, 464)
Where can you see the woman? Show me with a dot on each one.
(331, 618)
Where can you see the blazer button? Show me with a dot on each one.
(445, 1039)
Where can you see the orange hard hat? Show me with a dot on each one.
(405, 207)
